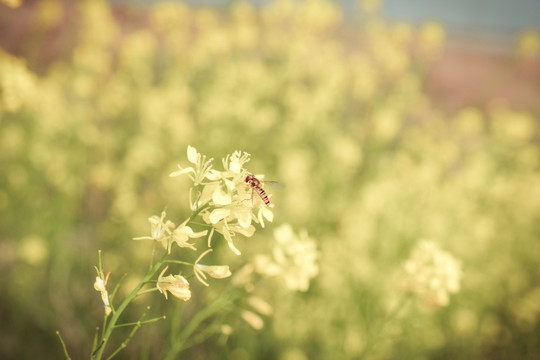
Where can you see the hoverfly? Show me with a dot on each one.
(256, 185)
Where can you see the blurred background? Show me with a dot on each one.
(388, 122)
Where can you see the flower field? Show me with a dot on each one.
(137, 141)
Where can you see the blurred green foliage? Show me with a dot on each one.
(337, 113)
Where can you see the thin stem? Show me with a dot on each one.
(136, 327)
(116, 315)
(64, 348)
(115, 290)
(100, 267)
(145, 291)
(108, 328)
(179, 262)
(94, 342)
(149, 321)
(196, 212)
(179, 343)
(153, 254)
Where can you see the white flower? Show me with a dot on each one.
(100, 286)
(201, 169)
(235, 162)
(265, 213)
(177, 285)
(224, 199)
(183, 233)
(161, 231)
(215, 271)
(230, 230)
(432, 274)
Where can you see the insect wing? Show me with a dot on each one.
(274, 185)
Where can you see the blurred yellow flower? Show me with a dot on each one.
(469, 121)
(402, 34)
(49, 13)
(528, 44)
(386, 123)
(432, 274)
(431, 36)
(260, 305)
(12, 3)
(513, 127)
(18, 85)
(177, 285)
(33, 250)
(169, 16)
(294, 259)
(254, 320)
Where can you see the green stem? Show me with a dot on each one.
(116, 315)
(149, 321)
(66, 354)
(136, 327)
(180, 342)
(111, 325)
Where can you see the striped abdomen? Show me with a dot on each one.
(256, 185)
(262, 194)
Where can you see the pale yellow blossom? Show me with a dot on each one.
(432, 274)
(215, 271)
(183, 233)
(161, 230)
(294, 259)
(100, 286)
(177, 285)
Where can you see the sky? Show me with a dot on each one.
(482, 18)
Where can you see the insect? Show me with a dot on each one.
(256, 185)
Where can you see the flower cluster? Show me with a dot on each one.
(222, 197)
(432, 274)
(166, 233)
(294, 258)
(224, 201)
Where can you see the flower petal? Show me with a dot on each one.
(219, 214)
(182, 171)
(220, 197)
(192, 154)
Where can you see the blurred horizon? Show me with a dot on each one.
(486, 20)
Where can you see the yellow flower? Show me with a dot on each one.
(12, 3)
(177, 285)
(529, 44)
(294, 259)
(254, 320)
(432, 274)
